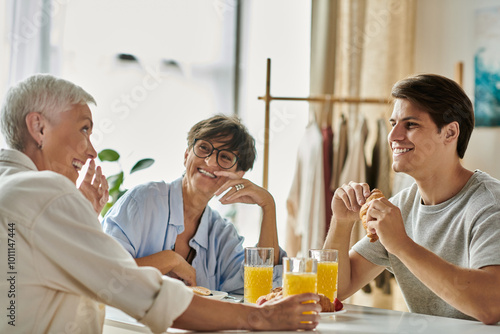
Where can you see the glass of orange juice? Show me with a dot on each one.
(328, 268)
(299, 275)
(258, 275)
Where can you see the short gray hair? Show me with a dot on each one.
(41, 93)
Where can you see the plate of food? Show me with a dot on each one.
(202, 291)
(217, 294)
(331, 314)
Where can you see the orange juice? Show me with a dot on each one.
(296, 283)
(327, 278)
(258, 282)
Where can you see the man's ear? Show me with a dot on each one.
(35, 123)
(452, 131)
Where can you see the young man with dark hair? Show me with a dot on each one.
(440, 237)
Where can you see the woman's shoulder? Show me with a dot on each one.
(28, 193)
(150, 189)
(40, 181)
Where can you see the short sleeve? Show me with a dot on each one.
(118, 223)
(372, 251)
(484, 242)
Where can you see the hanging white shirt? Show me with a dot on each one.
(306, 200)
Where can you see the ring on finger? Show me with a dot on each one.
(239, 186)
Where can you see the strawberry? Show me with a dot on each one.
(261, 300)
(338, 305)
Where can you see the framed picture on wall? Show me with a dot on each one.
(487, 67)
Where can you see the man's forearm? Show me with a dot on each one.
(472, 291)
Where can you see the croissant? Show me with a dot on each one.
(362, 213)
(275, 293)
(200, 290)
(326, 304)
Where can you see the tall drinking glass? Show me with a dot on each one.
(258, 274)
(328, 267)
(299, 275)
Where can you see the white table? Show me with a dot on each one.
(357, 319)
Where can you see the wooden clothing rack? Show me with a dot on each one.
(328, 98)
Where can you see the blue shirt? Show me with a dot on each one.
(148, 218)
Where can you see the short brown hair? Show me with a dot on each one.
(235, 134)
(443, 99)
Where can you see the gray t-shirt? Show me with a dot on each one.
(464, 230)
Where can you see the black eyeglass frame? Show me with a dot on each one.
(217, 156)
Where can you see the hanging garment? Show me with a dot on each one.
(355, 165)
(355, 168)
(340, 144)
(327, 134)
(379, 173)
(306, 200)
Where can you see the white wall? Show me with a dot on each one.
(445, 33)
(280, 30)
(145, 109)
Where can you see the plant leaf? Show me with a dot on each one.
(115, 181)
(142, 164)
(107, 206)
(108, 155)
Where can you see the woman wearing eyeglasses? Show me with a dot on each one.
(170, 225)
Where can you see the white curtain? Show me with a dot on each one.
(34, 45)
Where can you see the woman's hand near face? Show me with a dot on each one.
(95, 187)
(249, 194)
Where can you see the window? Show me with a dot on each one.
(155, 68)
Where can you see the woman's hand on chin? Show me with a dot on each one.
(242, 190)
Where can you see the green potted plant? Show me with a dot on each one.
(115, 181)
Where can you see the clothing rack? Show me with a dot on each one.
(328, 98)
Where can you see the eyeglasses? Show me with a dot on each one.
(203, 149)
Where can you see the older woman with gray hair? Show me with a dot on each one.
(170, 226)
(61, 268)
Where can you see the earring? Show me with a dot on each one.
(40, 145)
